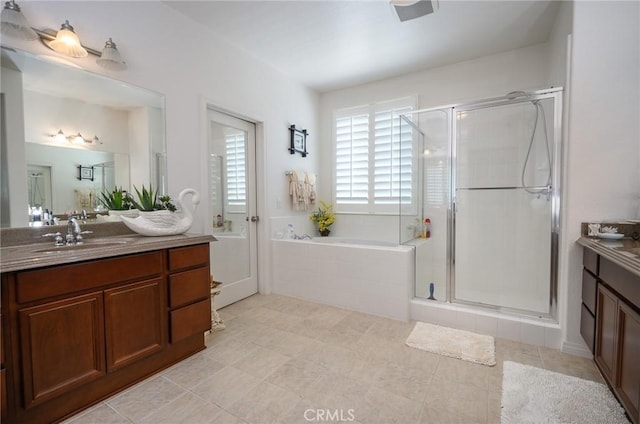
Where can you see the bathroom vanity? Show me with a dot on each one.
(80, 323)
(610, 320)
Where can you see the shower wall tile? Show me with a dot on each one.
(508, 329)
(553, 337)
(464, 321)
(485, 324)
(532, 334)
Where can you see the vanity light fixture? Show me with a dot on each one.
(14, 24)
(110, 57)
(67, 42)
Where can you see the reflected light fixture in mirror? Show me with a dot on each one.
(74, 139)
(14, 24)
(60, 137)
(77, 139)
(67, 42)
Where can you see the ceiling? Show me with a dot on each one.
(329, 45)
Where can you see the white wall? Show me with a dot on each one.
(603, 151)
(44, 115)
(191, 67)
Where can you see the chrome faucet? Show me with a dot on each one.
(73, 230)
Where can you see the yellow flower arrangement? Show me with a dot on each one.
(324, 216)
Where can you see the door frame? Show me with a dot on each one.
(556, 145)
(206, 105)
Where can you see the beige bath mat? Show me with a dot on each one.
(454, 343)
(534, 395)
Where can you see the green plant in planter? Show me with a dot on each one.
(117, 200)
(148, 200)
(324, 217)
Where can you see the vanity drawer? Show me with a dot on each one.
(590, 261)
(185, 257)
(189, 286)
(190, 320)
(588, 327)
(73, 278)
(622, 281)
(589, 289)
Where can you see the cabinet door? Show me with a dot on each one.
(606, 316)
(62, 346)
(628, 383)
(133, 315)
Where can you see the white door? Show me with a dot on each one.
(232, 206)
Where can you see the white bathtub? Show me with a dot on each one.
(361, 275)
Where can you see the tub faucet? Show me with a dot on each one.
(302, 237)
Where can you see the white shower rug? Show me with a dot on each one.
(460, 344)
(534, 395)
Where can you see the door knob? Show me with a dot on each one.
(255, 219)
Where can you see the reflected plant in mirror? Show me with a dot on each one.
(117, 200)
(43, 98)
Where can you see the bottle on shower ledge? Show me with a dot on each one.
(426, 228)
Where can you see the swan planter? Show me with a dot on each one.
(164, 222)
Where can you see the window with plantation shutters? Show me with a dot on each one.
(393, 158)
(436, 183)
(352, 160)
(373, 158)
(236, 183)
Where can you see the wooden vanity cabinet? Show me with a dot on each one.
(189, 292)
(590, 262)
(617, 332)
(62, 346)
(3, 374)
(606, 329)
(81, 332)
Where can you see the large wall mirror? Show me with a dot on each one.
(68, 135)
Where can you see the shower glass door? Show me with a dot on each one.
(505, 195)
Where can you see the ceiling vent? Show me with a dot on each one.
(412, 9)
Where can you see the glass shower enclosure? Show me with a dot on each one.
(488, 179)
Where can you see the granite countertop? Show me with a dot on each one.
(624, 252)
(27, 249)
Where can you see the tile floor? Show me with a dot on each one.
(283, 360)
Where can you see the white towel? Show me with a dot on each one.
(310, 181)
